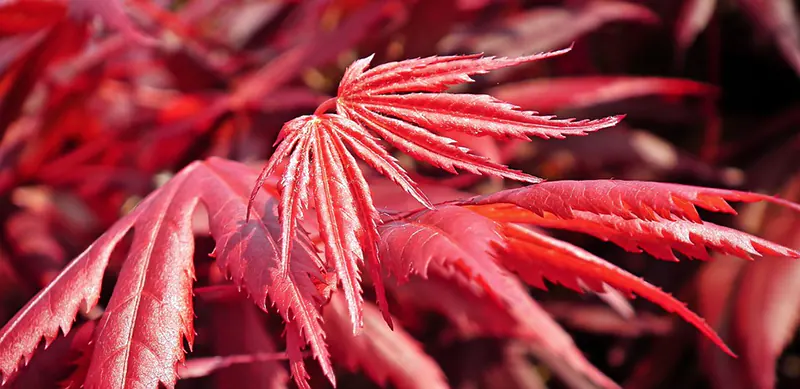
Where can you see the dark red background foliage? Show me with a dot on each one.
(103, 102)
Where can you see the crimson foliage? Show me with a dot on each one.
(316, 230)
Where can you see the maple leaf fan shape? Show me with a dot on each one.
(401, 102)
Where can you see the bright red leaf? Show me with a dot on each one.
(534, 255)
(653, 201)
(140, 336)
(403, 104)
(436, 243)
(657, 237)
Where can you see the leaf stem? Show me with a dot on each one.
(326, 106)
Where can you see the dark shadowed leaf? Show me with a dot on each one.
(386, 355)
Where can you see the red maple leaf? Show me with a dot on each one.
(260, 243)
(402, 103)
(139, 339)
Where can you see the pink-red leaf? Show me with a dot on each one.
(716, 282)
(139, 339)
(409, 245)
(402, 102)
(767, 303)
(437, 242)
(476, 314)
(316, 148)
(249, 252)
(158, 280)
(368, 149)
(534, 255)
(114, 14)
(693, 19)
(628, 199)
(340, 196)
(434, 149)
(54, 307)
(656, 237)
(345, 213)
(201, 367)
(55, 363)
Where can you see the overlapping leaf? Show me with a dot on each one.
(653, 201)
(460, 245)
(140, 337)
(757, 307)
(403, 104)
(534, 255)
(658, 220)
(113, 13)
(657, 237)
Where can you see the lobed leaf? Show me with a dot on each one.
(249, 252)
(387, 100)
(652, 201)
(341, 193)
(656, 237)
(346, 216)
(319, 161)
(534, 255)
(460, 245)
(434, 149)
(139, 339)
(55, 306)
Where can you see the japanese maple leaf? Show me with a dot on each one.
(139, 339)
(401, 102)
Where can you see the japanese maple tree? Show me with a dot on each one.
(314, 232)
(139, 338)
